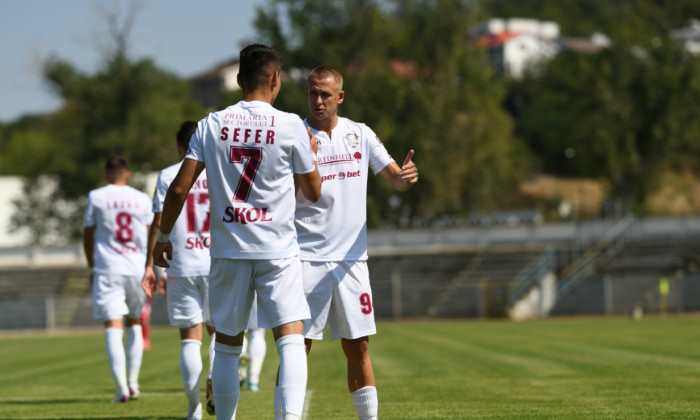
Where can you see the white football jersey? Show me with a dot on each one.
(335, 227)
(251, 151)
(190, 235)
(121, 216)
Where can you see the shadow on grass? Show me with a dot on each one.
(130, 416)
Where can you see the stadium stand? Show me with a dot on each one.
(450, 273)
(52, 297)
(630, 279)
(448, 284)
(28, 297)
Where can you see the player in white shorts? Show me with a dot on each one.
(253, 154)
(115, 228)
(332, 231)
(186, 280)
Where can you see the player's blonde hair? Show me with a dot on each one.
(325, 71)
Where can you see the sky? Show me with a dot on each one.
(184, 37)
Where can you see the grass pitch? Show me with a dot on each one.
(574, 368)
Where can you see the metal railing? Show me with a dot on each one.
(607, 247)
(532, 274)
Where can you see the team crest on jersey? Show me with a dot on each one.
(352, 139)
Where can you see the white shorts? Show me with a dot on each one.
(234, 283)
(116, 296)
(188, 300)
(340, 296)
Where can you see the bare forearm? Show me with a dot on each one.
(172, 206)
(152, 233)
(89, 246)
(310, 185)
(177, 194)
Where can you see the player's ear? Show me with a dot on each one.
(341, 97)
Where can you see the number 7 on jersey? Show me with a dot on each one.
(251, 158)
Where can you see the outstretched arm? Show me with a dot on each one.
(402, 178)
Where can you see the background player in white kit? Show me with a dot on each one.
(251, 152)
(332, 231)
(115, 229)
(187, 277)
(254, 350)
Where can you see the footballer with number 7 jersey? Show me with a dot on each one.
(115, 227)
(252, 153)
(333, 231)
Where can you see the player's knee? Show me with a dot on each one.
(356, 350)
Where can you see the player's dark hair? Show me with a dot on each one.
(116, 164)
(187, 128)
(258, 63)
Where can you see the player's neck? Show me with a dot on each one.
(119, 182)
(261, 95)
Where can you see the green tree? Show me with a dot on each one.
(624, 115)
(128, 107)
(629, 21)
(413, 77)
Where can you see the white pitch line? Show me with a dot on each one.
(307, 403)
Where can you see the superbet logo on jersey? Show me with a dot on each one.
(341, 175)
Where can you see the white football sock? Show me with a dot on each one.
(278, 404)
(292, 373)
(212, 340)
(117, 359)
(366, 403)
(191, 369)
(244, 348)
(257, 348)
(225, 380)
(134, 354)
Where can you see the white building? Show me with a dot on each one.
(517, 44)
(11, 187)
(208, 86)
(688, 36)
